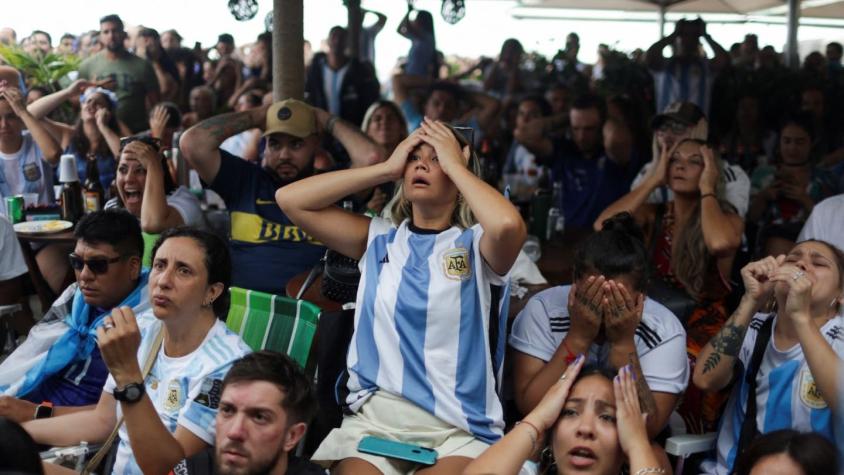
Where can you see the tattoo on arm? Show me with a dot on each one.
(223, 126)
(726, 343)
(646, 398)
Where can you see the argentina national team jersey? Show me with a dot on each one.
(184, 390)
(787, 396)
(430, 325)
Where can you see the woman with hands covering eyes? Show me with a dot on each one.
(422, 364)
(606, 315)
(595, 424)
(795, 382)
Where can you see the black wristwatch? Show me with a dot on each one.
(43, 410)
(132, 392)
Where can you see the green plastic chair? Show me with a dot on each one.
(273, 322)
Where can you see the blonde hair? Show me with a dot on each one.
(400, 208)
(690, 258)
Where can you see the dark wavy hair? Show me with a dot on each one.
(218, 261)
(617, 249)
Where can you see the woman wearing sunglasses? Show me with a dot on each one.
(166, 412)
(428, 343)
(145, 189)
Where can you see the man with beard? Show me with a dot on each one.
(267, 247)
(132, 78)
(266, 402)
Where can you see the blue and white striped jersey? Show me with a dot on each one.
(786, 395)
(184, 390)
(689, 81)
(430, 325)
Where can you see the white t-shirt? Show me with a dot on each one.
(183, 201)
(25, 171)
(236, 144)
(660, 339)
(826, 223)
(11, 256)
(185, 390)
(188, 206)
(736, 189)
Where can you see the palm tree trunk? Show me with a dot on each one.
(288, 53)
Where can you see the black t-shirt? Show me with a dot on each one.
(203, 464)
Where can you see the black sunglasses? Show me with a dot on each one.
(151, 141)
(468, 133)
(98, 265)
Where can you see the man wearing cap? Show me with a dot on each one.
(133, 78)
(267, 247)
(683, 120)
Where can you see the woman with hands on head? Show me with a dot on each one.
(94, 136)
(429, 325)
(168, 414)
(594, 422)
(795, 382)
(145, 189)
(694, 238)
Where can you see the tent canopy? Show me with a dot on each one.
(809, 8)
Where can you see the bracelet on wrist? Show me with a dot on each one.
(707, 195)
(329, 124)
(534, 435)
(570, 356)
(643, 471)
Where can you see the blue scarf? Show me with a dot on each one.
(80, 339)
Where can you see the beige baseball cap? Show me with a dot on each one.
(291, 117)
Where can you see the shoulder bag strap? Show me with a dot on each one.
(656, 229)
(748, 426)
(106, 447)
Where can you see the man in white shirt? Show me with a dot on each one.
(826, 223)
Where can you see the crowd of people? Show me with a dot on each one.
(708, 295)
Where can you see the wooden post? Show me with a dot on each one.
(288, 53)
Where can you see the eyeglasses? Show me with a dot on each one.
(673, 127)
(468, 133)
(97, 265)
(151, 141)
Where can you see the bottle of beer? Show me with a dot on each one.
(71, 196)
(92, 188)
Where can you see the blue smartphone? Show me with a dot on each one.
(397, 450)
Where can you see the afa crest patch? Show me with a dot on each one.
(810, 395)
(173, 396)
(456, 264)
